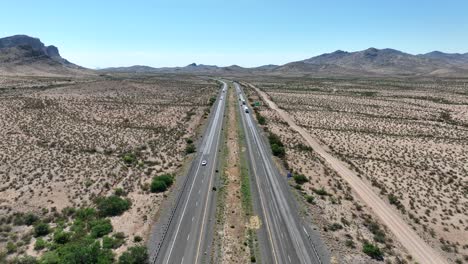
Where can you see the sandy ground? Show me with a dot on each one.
(417, 247)
(62, 142)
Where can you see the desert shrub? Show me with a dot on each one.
(350, 243)
(137, 239)
(275, 139)
(30, 219)
(212, 100)
(320, 192)
(190, 148)
(61, 237)
(41, 229)
(85, 251)
(86, 214)
(24, 260)
(300, 178)
(112, 205)
(101, 227)
(119, 192)
(158, 186)
(11, 247)
(134, 255)
(335, 227)
(168, 179)
(372, 250)
(261, 119)
(129, 158)
(189, 141)
(111, 243)
(278, 151)
(310, 199)
(40, 244)
(50, 257)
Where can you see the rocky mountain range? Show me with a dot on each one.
(369, 62)
(22, 54)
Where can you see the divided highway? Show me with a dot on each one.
(189, 234)
(284, 238)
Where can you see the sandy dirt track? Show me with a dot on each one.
(419, 249)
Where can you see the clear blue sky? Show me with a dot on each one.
(247, 33)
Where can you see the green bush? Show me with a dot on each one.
(129, 158)
(278, 151)
(190, 148)
(158, 186)
(168, 179)
(335, 226)
(50, 257)
(212, 100)
(30, 219)
(24, 260)
(61, 237)
(372, 250)
(275, 139)
(189, 141)
(261, 119)
(11, 247)
(320, 191)
(112, 205)
(40, 244)
(86, 214)
(85, 251)
(134, 255)
(101, 227)
(41, 229)
(300, 178)
(137, 239)
(111, 243)
(310, 199)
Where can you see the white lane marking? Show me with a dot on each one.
(303, 227)
(188, 236)
(192, 218)
(289, 259)
(196, 204)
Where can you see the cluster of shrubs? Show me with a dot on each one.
(277, 147)
(81, 236)
(190, 148)
(161, 183)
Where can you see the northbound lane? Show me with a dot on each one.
(188, 236)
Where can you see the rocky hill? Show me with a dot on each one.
(24, 55)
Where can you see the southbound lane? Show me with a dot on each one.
(188, 235)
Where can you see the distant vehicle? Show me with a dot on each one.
(246, 109)
(203, 163)
(243, 101)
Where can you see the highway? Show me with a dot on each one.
(189, 233)
(283, 236)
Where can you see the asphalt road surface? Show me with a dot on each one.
(283, 237)
(190, 233)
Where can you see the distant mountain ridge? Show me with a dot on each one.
(369, 62)
(21, 54)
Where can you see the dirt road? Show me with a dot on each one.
(417, 247)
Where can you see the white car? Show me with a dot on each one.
(203, 163)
